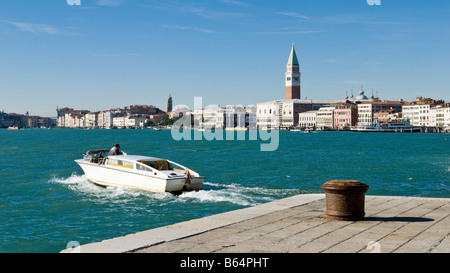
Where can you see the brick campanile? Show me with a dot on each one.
(292, 76)
(169, 104)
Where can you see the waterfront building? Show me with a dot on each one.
(417, 115)
(366, 109)
(61, 115)
(213, 117)
(36, 121)
(105, 119)
(292, 76)
(119, 121)
(446, 125)
(236, 117)
(418, 112)
(284, 114)
(73, 120)
(437, 116)
(280, 114)
(69, 118)
(307, 119)
(345, 115)
(25, 121)
(45, 122)
(250, 117)
(433, 117)
(228, 117)
(134, 121)
(388, 115)
(91, 120)
(178, 113)
(266, 115)
(28, 121)
(325, 118)
(289, 110)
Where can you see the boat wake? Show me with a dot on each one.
(235, 194)
(81, 185)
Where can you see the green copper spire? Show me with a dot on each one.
(293, 57)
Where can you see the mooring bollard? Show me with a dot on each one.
(345, 199)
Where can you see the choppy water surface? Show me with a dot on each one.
(47, 202)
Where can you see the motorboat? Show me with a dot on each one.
(386, 127)
(138, 172)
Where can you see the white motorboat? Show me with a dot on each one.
(386, 127)
(138, 172)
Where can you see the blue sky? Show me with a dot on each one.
(113, 53)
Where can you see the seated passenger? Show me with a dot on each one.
(115, 150)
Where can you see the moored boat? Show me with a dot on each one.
(138, 172)
(386, 127)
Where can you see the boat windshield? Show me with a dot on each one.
(95, 156)
(160, 165)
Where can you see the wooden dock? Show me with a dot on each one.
(298, 225)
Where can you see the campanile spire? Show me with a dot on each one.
(292, 76)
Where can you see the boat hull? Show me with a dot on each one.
(398, 130)
(386, 128)
(118, 177)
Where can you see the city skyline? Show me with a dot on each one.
(107, 54)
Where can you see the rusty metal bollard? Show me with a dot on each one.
(345, 199)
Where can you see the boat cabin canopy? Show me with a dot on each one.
(144, 162)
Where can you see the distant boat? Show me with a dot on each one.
(235, 129)
(386, 127)
(13, 128)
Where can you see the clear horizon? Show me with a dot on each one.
(108, 54)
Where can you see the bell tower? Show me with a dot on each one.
(169, 104)
(292, 76)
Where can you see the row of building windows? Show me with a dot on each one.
(307, 118)
(274, 112)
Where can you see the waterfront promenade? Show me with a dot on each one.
(297, 224)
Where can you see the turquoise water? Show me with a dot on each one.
(47, 202)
